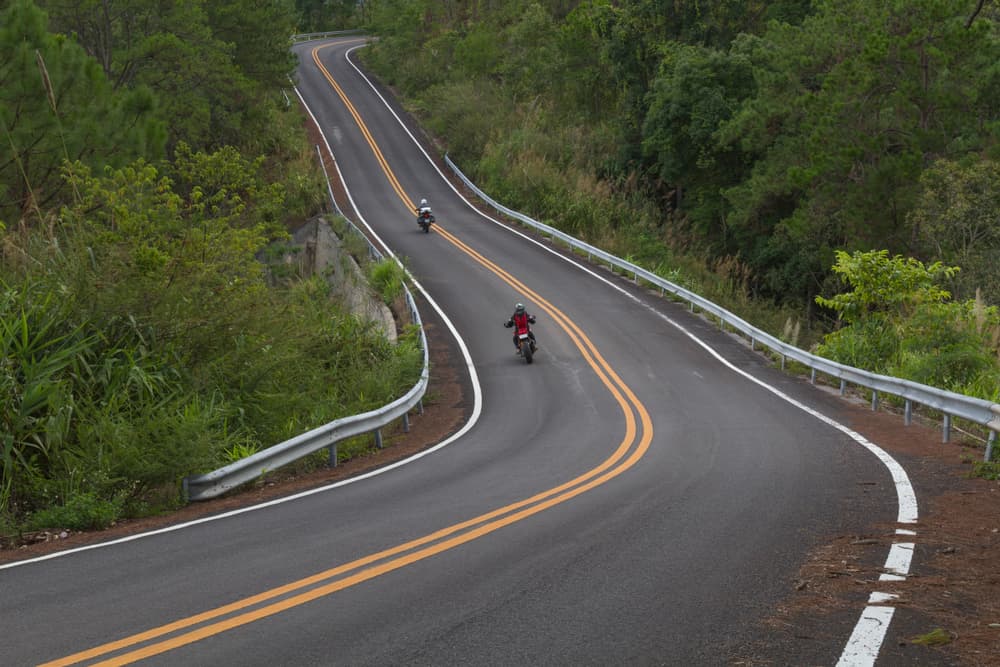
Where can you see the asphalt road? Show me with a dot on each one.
(626, 499)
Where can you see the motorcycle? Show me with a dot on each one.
(425, 218)
(526, 345)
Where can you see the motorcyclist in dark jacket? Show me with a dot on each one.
(422, 208)
(521, 321)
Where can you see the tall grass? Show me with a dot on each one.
(386, 278)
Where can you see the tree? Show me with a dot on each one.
(205, 61)
(55, 106)
(320, 15)
(901, 322)
(117, 33)
(957, 218)
(258, 35)
(585, 82)
(850, 108)
(880, 284)
(168, 251)
(530, 59)
(698, 89)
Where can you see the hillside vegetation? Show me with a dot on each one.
(828, 169)
(150, 164)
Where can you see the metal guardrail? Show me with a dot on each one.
(217, 482)
(308, 36)
(951, 404)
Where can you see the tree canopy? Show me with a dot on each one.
(57, 105)
(767, 135)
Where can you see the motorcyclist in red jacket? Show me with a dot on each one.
(521, 321)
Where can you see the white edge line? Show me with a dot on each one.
(869, 633)
(897, 564)
(863, 646)
(473, 418)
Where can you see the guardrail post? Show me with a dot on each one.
(812, 376)
(753, 343)
(988, 456)
(874, 400)
(782, 362)
(908, 412)
(843, 387)
(378, 438)
(946, 429)
(332, 456)
(406, 422)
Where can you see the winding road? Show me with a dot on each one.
(644, 493)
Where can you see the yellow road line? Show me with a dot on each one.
(405, 554)
(364, 130)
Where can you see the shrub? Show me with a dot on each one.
(872, 344)
(386, 277)
(81, 512)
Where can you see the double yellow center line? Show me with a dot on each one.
(634, 444)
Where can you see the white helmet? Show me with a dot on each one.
(423, 202)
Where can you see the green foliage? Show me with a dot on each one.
(40, 352)
(386, 277)
(86, 511)
(986, 469)
(168, 257)
(849, 108)
(696, 91)
(957, 218)
(215, 67)
(447, 109)
(942, 348)
(323, 15)
(531, 58)
(239, 451)
(883, 284)
(56, 105)
(258, 33)
(401, 28)
(872, 343)
(754, 151)
(901, 323)
(229, 189)
(140, 340)
(89, 402)
(141, 343)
